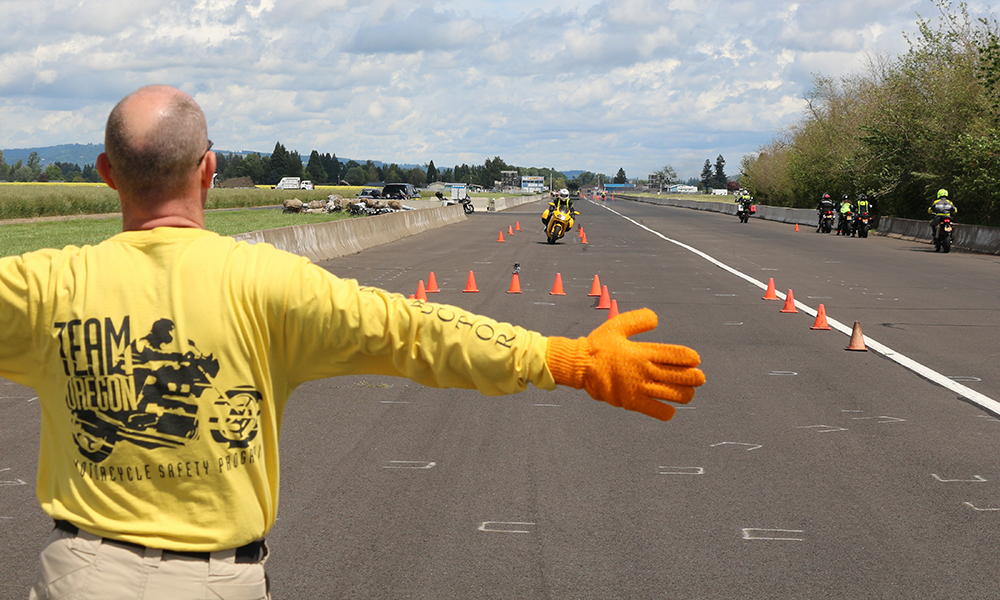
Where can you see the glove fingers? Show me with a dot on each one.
(652, 408)
(676, 375)
(681, 394)
(669, 354)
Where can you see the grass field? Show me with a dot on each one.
(18, 238)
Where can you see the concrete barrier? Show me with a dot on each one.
(323, 241)
(481, 204)
(971, 238)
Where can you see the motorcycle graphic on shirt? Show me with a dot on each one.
(149, 391)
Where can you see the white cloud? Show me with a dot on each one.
(591, 84)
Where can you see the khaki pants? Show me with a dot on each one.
(85, 567)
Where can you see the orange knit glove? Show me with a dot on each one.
(631, 375)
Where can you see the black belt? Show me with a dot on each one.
(250, 553)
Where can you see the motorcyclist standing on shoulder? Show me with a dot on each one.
(941, 208)
(825, 204)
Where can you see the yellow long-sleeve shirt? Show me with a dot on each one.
(163, 360)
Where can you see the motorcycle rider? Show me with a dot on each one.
(562, 199)
(845, 209)
(824, 205)
(864, 206)
(941, 208)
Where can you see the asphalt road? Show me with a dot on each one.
(800, 470)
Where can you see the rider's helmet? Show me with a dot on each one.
(844, 198)
(942, 193)
(564, 193)
(862, 196)
(826, 196)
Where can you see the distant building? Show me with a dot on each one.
(533, 184)
(680, 188)
(509, 181)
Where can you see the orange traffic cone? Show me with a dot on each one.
(421, 292)
(579, 231)
(770, 295)
(517, 226)
(821, 319)
(789, 303)
(605, 301)
(510, 230)
(557, 287)
(500, 239)
(796, 227)
(432, 284)
(413, 297)
(613, 311)
(857, 339)
(595, 288)
(470, 285)
(515, 285)
(583, 238)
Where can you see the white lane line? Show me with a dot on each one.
(970, 394)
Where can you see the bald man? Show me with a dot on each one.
(163, 359)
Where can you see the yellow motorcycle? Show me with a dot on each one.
(560, 220)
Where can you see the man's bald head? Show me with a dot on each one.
(154, 140)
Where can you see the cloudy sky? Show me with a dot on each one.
(582, 84)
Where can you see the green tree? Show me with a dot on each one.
(669, 175)
(490, 173)
(333, 167)
(278, 166)
(34, 166)
(4, 168)
(620, 177)
(294, 168)
(416, 177)
(54, 173)
(90, 174)
(253, 166)
(707, 176)
(719, 178)
(356, 175)
(393, 174)
(315, 170)
(432, 172)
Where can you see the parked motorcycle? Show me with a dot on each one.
(942, 237)
(744, 209)
(560, 221)
(863, 225)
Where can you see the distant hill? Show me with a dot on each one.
(80, 154)
(572, 174)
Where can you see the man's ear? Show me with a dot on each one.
(104, 169)
(208, 165)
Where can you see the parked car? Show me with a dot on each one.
(370, 192)
(402, 191)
